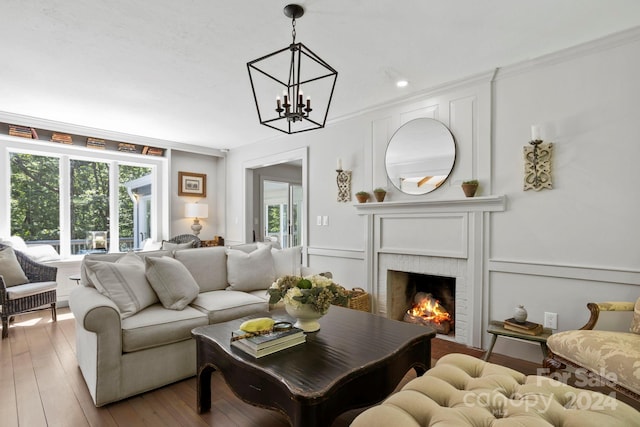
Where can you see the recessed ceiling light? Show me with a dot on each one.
(402, 83)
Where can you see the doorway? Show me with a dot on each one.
(281, 212)
(286, 196)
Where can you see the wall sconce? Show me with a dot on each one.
(344, 183)
(196, 211)
(537, 162)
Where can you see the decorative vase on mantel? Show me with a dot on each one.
(306, 316)
(470, 187)
(379, 194)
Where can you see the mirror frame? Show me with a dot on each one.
(436, 130)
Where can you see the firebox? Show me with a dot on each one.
(423, 299)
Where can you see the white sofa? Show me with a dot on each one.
(128, 343)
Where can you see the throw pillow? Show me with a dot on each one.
(10, 269)
(250, 271)
(171, 280)
(124, 284)
(287, 261)
(169, 246)
(635, 323)
(130, 258)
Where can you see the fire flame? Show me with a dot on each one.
(430, 309)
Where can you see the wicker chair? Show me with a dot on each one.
(185, 238)
(39, 292)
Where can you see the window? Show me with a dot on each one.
(35, 198)
(81, 205)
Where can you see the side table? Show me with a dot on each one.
(76, 277)
(496, 329)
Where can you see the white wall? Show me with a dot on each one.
(213, 168)
(552, 250)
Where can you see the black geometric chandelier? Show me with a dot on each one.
(293, 86)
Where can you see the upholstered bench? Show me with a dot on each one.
(464, 391)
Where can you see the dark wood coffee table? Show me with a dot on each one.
(355, 360)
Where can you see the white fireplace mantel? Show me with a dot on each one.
(468, 204)
(439, 237)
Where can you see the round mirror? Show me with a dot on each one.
(420, 156)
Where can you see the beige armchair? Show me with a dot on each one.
(606, 348)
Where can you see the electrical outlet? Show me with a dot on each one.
(551, 320)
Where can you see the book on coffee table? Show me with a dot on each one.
(259, 341)
(264, 351)
(528, 328)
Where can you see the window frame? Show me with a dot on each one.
(159, 199)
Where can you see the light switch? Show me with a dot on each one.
(319, 220)
(325, 220)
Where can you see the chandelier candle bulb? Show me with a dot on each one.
(278, 102)
(339, 164)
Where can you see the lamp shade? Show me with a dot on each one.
(196, 210)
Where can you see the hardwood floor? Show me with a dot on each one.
(41, 385)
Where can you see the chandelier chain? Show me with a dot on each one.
(293, 31)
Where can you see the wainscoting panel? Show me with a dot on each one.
(435, 234)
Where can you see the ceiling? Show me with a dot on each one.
(176, 70)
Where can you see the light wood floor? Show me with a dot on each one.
(41, 384)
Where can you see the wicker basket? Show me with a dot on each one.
(359, 300)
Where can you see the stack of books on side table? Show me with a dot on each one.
(527, 328)
(264, 344)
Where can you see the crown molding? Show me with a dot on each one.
(599, 45)
(53, 125)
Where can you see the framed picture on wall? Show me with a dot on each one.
(192, 184)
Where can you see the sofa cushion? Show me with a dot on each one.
(28, 289)
(208, 266)
(170, 246)
(250, 272)
(156, 326)
(635, 323)
(10, 269)
(125, 284)
(221, 306)
(171, 280)
(286, 262)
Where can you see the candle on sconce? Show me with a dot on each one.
(339, 164)
(535, 133)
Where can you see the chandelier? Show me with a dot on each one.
(284, 82)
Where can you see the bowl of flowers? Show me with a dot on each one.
(307, 299)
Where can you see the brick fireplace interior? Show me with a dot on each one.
(405, 285)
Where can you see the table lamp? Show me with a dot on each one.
(196, 211)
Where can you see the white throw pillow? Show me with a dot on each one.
(124, 283)
(10, 269)
(42, 253)
(287, 261)
(250, 272)
(16, 242)
(131, 258)
(150, 245)
(171, 280)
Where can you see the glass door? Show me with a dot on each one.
(282, 213)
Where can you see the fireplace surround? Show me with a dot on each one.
(438, 238)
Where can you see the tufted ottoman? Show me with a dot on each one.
(464, 391)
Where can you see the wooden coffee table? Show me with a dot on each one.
(356, 359)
